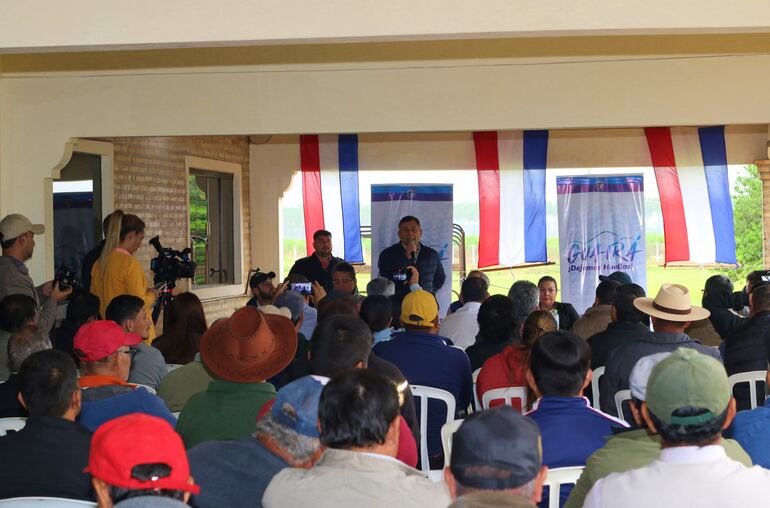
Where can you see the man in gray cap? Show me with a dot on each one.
(236, 473)
(496, 460)
(17, 241)
(635, 447)
(689, 404)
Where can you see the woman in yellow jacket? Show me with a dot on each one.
(117, 272)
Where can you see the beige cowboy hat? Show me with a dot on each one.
(671, 303)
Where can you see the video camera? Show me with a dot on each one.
(171, 265)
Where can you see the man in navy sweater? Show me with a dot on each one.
(559, 371)
(397, 259)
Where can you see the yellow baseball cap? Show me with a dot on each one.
(419, 308)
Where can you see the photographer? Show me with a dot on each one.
(399, 261)
(17, 241)
(117, 272)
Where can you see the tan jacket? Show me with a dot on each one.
(595, 320)
(343, 478)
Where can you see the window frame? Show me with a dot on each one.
(214, 291)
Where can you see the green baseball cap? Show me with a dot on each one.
(687, 378)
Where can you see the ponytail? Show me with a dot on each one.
(112, 238)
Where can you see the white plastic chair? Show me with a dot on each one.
(172, 366)
(447, 432)
(424, 393)
(476, 402)
(598, 372)
(146, 387)
(507, 395)
(12, 423)
(44, 502)
(176, 414)
(556, 478)
(620, 397)
(752, 378)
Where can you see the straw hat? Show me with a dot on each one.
(671, 303)
(250, 346)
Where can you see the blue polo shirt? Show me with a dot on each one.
(427, 360)
(752, 430)
(571, 430)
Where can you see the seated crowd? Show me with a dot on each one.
(303, 397)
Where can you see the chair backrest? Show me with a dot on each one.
(752, 378)
(44, 502)
(176, 414)
(506, 394)
(598, 372)
(620, 397)
(476, 402)
(172, 366)
(447, 431)
(12, 423)
(556, 478)
(146, 387)
(424, 393)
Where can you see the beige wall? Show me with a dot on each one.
(84, 24)
(40, 111)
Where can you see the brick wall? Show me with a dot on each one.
(149, 176)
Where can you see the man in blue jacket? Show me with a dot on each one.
(395, 261)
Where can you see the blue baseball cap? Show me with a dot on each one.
(296, 406)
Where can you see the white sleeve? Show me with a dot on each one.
(593, 499)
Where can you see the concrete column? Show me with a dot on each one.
(764, 174)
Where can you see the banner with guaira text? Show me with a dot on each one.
(432, 204)
(601, 230)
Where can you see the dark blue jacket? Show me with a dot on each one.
(746, 350)
(752, 430)
(104, 403)
(622, 359)
(312, 268)
(428, 263)
(232, 473)
(46, 458)
(427, 360)
(571, 431)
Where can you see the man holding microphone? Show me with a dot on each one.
(410, 262)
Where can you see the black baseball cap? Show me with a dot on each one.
(621, 277)
(496, 449)
(260, 277)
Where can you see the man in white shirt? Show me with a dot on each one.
(463, 326)
(689, 404)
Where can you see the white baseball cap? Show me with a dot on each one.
(640, 374)
(15, 224)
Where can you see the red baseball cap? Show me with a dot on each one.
(121, 444)
(99, 339)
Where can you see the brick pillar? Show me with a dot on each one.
(764, 174)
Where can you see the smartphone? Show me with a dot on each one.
(303, 288)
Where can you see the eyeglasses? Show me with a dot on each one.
(131, 351)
